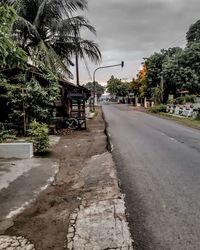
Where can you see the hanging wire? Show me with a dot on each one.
(87, 68)
(178, 40)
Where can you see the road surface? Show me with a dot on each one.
(158, 165)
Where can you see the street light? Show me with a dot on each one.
(94, 75)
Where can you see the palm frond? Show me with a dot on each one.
(40, 13)
(82, 22)
(23, 25)
(52, 60)
(75, 5)
(69, 26)
(58, 64)
(90, 49)
(49, 27)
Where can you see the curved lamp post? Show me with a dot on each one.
(94, 75)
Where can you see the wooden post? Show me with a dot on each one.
(24, 111)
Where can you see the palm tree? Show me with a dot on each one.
(47, 29)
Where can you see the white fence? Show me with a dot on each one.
(190, 110)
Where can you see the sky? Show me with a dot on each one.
(131, 30)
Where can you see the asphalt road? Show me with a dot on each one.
(158, 165)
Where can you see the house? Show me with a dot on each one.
(70, 108)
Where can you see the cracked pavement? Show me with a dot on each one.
(100, 222)
(15, 243)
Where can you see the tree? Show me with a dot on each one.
(48, 30)
(158, 67)
(193, 34)
(116, 87)
(23, 93)
(158, 93)
(134, 86)
(171, 73)
(153, 65)
(178, 68)
(145, 89)
(99, 88)
(11, 55)
(190, 68)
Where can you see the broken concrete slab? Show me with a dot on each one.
(100, 223)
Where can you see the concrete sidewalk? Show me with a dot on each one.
(100, 222)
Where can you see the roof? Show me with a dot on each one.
(70, 85)
(13, 73)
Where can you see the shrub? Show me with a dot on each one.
(39, 134)
(184, 99)
(158, 108)
(171, 102)
(198, 115)
(190, 98)
(180, 100)
(7, 135)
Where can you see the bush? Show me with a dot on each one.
(39, 134)
(198, 115)
(7, 135)
(190, 98)
(180, 100)
(171, 102)
(185, 99)
(158, 108)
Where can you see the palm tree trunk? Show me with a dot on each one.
(76, 57)
(77, 69)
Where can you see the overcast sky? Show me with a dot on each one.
(130, 30)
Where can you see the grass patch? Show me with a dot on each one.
(193, 123)
(158, 108)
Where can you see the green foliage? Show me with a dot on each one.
(159, 67)
(7, 135)
(180, 100)
(185, 99)
(116, 87)
(32, 98)
(139, 86)
(190, 98)
(23, 96)
(39, 135)
(193, 34)
(99, 88)
(158, 108)
(179, 69)
(158, 95)
(11, 55)
(198, 115)
(134, 86)
(153, 66)
(49, 33)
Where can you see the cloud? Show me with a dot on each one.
(132, 29)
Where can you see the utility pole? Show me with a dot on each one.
(94, 76)
(76, 57)
(24, 110)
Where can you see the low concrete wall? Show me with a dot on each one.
(16, 150)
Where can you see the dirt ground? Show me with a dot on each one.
(46, 222)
